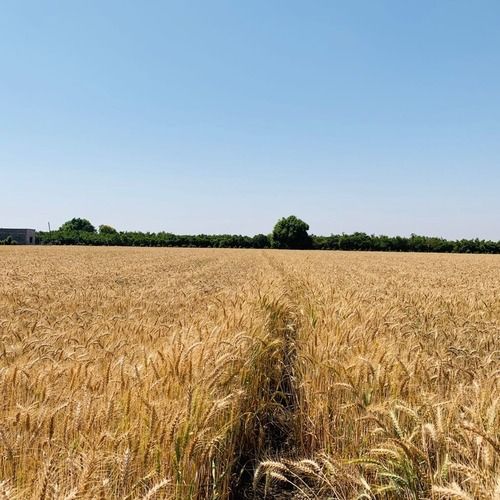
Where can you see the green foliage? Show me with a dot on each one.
(261, 241)
(105, 229)
(8, 241)
(291, 232)
(78, 224)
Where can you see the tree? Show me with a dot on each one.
(260, 241)
(77, 224)
(291, 232)
(105, 229)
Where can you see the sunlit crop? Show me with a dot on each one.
(205, 374)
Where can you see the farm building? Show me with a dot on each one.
(20, 236)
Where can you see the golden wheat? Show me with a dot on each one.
(189, 373)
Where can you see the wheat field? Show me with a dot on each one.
(213, 374)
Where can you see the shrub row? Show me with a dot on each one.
(355, 241)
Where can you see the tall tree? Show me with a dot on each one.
(106, 229)
(291, 232)
(77, 224)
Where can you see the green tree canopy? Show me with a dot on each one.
(105, 229)
(291, 232)
(260, 241)
(77, 224)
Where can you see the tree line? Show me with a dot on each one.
(288, 233)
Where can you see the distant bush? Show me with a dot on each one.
(8, 241)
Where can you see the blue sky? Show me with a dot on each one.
(222, 116)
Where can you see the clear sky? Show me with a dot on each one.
(222, 116)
